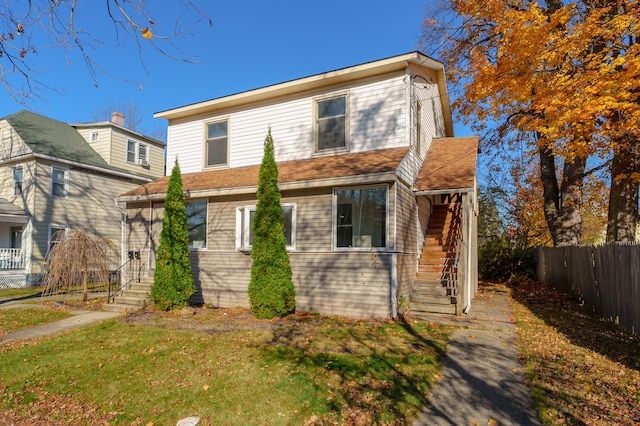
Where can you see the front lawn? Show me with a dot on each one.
(582, 369)
(17, 318)
(301, 370)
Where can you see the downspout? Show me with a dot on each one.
(394, 284)
(469, 249)
(123, 240)
(394, 256)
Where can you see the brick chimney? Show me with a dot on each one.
(117, 118)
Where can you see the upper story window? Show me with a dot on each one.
(244, 226)
(18, 178)
(217, 144)
(197, 223)
(59, 182)
(137, 153)
(94, 136)
(361, 217)
(331, 124)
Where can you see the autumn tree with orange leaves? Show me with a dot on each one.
(562, 76)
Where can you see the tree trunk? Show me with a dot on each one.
(85, 286)
(562, 202)
(623, 197)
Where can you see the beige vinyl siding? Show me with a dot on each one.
(349, 284)
(118, 154)
(90, 207)
(26, 200)
(11, 145)
(103, 145)
(406, 213)
(377, 121)
(407, 235)
(352, 283)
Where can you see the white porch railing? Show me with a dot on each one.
(11, 258)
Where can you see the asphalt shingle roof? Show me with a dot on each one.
(450, 164)
(335, 166)
(6, 207)
(54, 138)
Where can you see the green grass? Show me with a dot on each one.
(326, 371)
(14, 319)
(11, 293)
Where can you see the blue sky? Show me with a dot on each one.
(250, 44)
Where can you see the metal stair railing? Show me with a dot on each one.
(116, 286)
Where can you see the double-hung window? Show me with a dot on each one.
(197, 224)
(59, 182)
(360, 217)
(331, 124)
(56, 234)
(244, 226)
(217, 144)
(18, 178)
(137, 153)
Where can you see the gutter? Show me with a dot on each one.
(444, 191)
(94, 168)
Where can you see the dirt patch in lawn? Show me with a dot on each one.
(229, 320)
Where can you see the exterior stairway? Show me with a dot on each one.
(133, 298)
(434, 290)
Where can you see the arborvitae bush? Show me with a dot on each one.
(271, 290)
(173, 282)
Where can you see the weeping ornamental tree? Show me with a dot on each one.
(271, 290)
(75, 260)
(173, 282)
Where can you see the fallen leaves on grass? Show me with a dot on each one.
(582, 368)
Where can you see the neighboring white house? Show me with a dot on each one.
(352, 146)
(56, 176)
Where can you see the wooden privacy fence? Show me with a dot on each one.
(606, 277)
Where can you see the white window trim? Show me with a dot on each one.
(205, 147)
(66, 182)
(347, 126)
(15, 182)
(242, 220)
(136, 153)
(206, 225)
(94, 136)
(334, 220)
(57, 226)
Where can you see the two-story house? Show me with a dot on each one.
(379, 198)
(56, 176)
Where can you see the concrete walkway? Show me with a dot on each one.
(482, 382)
(80, 318)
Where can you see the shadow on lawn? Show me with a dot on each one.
(19, 298)
(580, 324)
(377, 374)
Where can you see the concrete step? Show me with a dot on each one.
(130, 300)
(116, 307)
(136, 293)
(141, 287)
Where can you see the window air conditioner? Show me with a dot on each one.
(143, 163)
